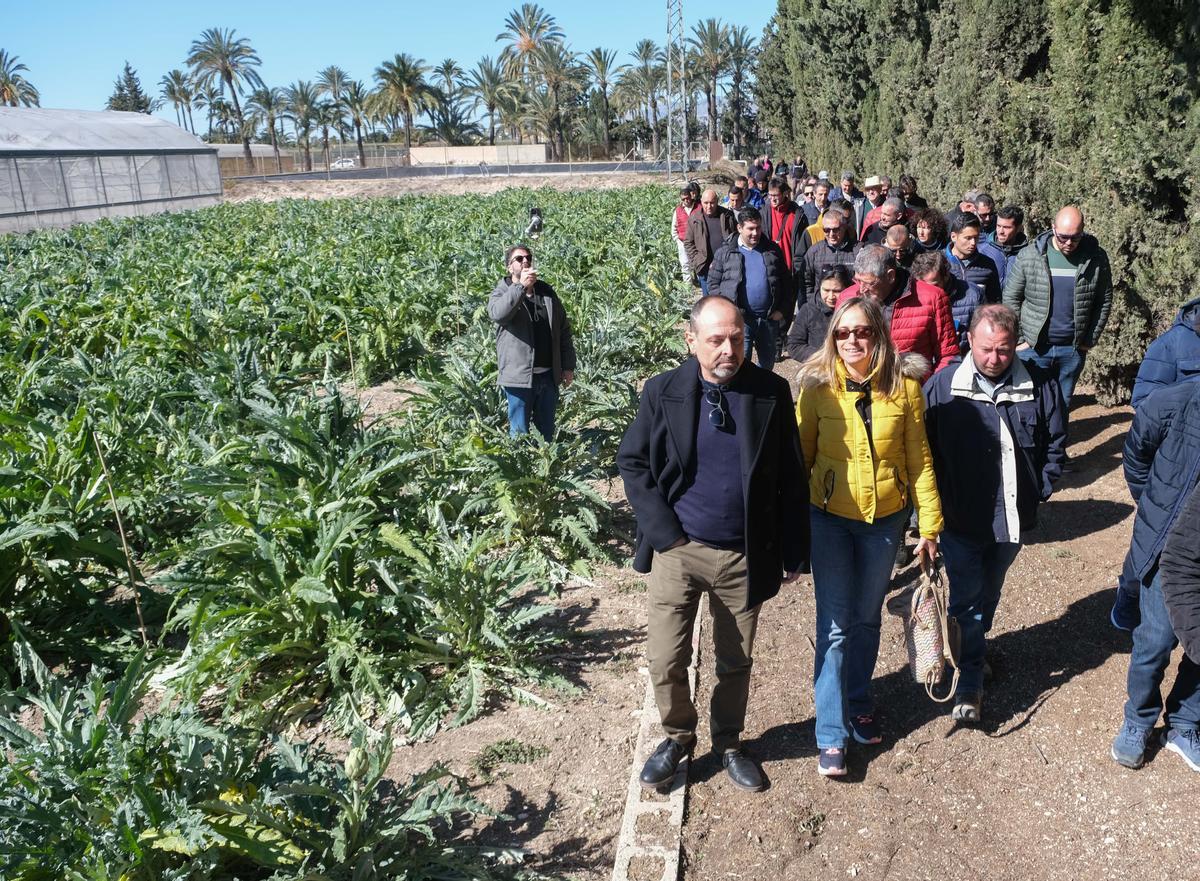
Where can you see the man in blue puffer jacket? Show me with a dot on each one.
(1162, 467)
(1172, 358)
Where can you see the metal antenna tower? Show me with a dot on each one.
(677, 133)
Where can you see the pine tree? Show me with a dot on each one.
(127, 93)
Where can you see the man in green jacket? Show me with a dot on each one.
(1061, 288)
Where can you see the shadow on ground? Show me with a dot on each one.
(1030, 665)
(525, 820)
(1067, 519)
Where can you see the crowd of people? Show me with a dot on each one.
(938, 358)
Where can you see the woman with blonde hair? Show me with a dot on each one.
(861, 416)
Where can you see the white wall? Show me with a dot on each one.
(503, 154)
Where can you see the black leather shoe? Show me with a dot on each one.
(661, 766)
(743, 771)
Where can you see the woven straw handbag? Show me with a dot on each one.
(932, 635)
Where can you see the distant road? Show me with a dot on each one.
(466, 171)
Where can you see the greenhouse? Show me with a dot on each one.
(62, 167)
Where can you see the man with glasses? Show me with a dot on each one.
(899, 241)
(534, 349)
(713, 471)
(1061, 288)
(807, 203)
(834, 249)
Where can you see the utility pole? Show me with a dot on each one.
(677, 133)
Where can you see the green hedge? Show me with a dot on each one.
(1041, 103)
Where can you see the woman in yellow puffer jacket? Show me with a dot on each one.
(862, 429)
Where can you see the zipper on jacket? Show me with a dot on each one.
(830, 479)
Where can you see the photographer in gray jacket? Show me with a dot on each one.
(534, 350)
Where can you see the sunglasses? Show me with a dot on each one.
(1062, 237)
(523, 258)
(716, 416)
(860, 333)
(829, 229)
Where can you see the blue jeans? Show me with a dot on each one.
(760, 336)
(1065, 362)
(537, 403)
(1153, 642)
(976, 570)
(703, 284)
(852, 567)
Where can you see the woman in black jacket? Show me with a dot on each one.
(808, 332)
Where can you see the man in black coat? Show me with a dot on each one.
(751, 271)
(713, 470)
(1162, 467)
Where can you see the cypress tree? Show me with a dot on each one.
(1042, 103)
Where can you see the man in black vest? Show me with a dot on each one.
(713, 470)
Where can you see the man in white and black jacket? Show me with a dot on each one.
(997, 432)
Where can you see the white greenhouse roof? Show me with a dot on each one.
(37, 130)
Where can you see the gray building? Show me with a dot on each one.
(62, 167)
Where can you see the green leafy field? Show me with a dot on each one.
(189, 490)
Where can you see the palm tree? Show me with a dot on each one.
(451, 121)
(451, 76)
(601, 66)
(489, 87)
(15, 90)
(333, 81)
(526, 30)
(329, 113)
(208, 97)
(709, 46)
(174, 87)
(403, 90)
(269, 105)
(358, 103)
(541, 114)
(560, 71)
(740, 52)
(650, 74)
(511, 107)
(218, 56)
(302, 100)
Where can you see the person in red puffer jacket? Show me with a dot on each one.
(918, 312)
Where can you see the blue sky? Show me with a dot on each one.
(75, 50)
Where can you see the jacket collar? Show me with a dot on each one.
(680, 401)
(1086, 244)
(1018, 390)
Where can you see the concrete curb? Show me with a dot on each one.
(663, 843)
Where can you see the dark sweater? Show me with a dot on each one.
(711, 510)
